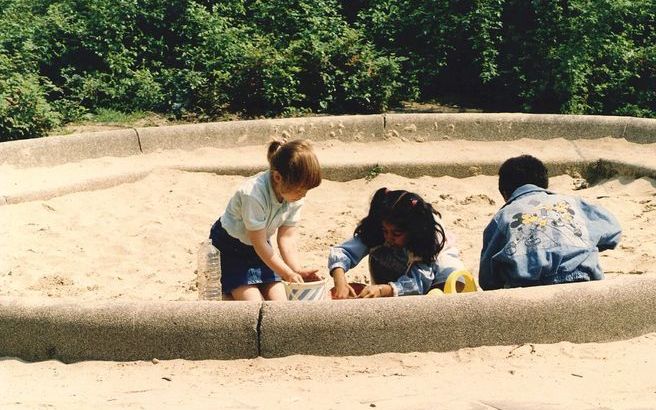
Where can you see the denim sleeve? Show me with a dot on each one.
(492, 244)
(448, 261)
(422, 276)
(603, 225)
(347, 255)
(416, 282)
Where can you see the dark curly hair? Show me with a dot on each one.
(521, 170)
(408, 212)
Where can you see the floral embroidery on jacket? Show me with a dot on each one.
(545, 225)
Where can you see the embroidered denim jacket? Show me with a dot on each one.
(539, 237)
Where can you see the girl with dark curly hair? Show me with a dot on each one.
(409, 250)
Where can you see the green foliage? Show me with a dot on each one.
(24, 109)
(448, 45)
(298, 56)
(373, 172)
(61, 60)
(566, 57)
(578, 57)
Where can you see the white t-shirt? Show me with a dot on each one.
(254, 206)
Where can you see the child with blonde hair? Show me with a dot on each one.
(268, 203)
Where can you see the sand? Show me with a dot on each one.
(138, 241)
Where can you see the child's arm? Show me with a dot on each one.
(342, 289)
(492, 244)
(342, 258)
(416, 282)
(377, 291)
(274, 261)
(448, 260)
(288, 251)
(602, 224)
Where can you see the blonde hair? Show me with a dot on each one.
(296, 163)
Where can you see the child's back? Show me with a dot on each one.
(539, 237)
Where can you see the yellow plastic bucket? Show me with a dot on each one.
(450, 284)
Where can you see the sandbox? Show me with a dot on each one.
(100, 231)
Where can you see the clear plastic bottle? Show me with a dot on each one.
(209, 272)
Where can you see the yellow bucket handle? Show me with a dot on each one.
(470, 282)
(450, 284)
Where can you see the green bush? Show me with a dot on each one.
(61, 60)
(513, 55)
(578, 57)
(24, 109)
(266, 60)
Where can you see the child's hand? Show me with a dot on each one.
(373, 291)
(344, 291)
(293, 278)
(310, 275)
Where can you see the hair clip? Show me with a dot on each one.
(399, 199)
(413, 202)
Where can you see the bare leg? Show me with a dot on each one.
(274, 291)
(247, 292)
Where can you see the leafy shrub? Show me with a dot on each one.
(24, 109)
(336, 68)
(565, 57)
(205, 59)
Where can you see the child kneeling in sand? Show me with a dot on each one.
(539, 237)
(409, 250)
(268, 202)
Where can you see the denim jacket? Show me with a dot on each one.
(539, 237)
(408, 276)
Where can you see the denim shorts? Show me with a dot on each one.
(240, 264)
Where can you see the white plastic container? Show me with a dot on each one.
(316, 290)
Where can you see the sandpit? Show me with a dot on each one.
(137, 241)
(98, 240)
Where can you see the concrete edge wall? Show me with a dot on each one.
(458, 169)
(350, 128)
(354, 128)
(608, 310)
(625, 168)
(68, 188)
(123, 331)
(513, 126)
(348, 172)
(48, 151)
